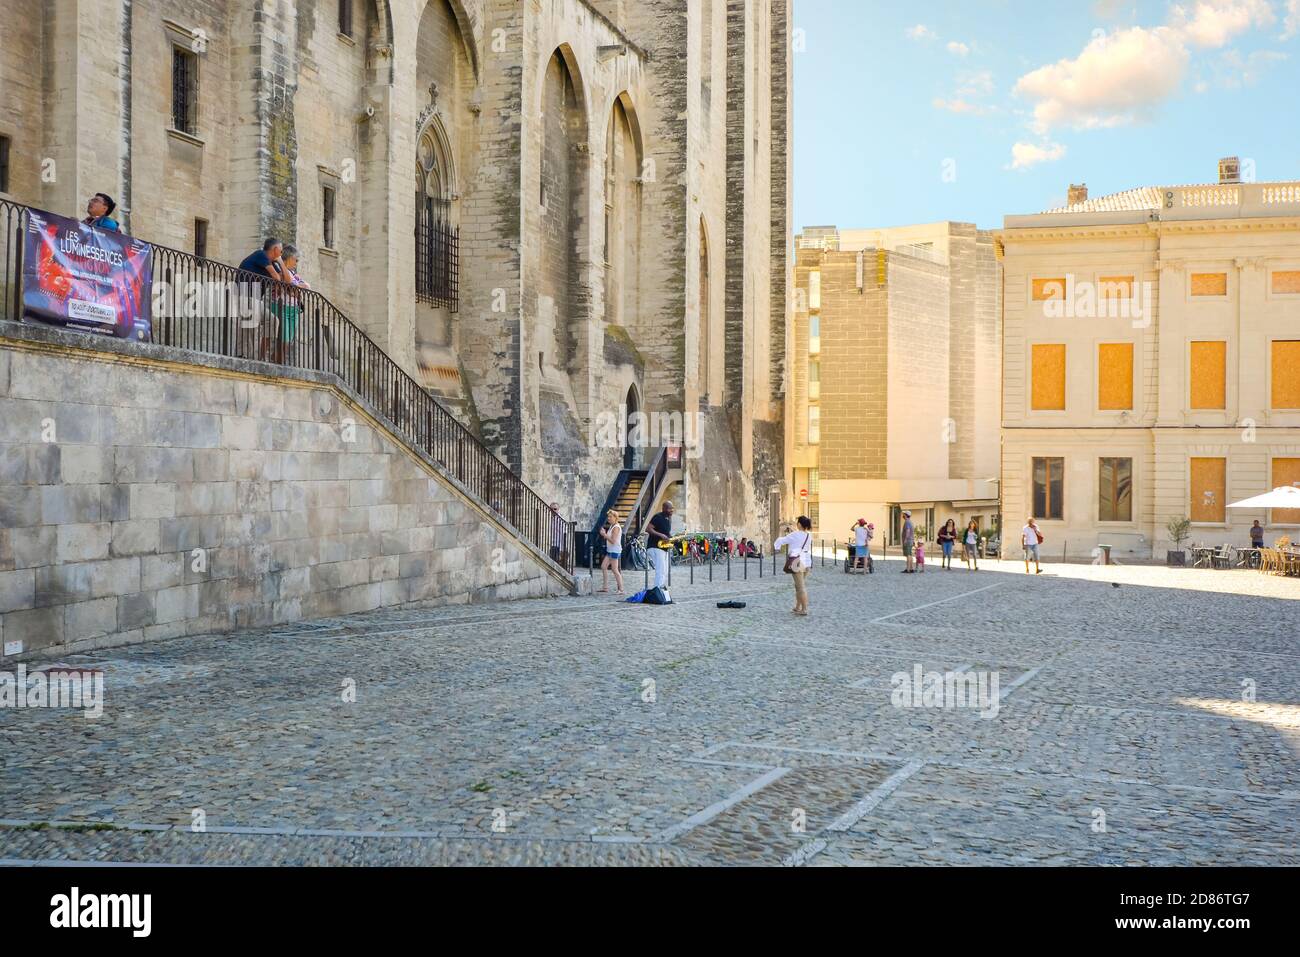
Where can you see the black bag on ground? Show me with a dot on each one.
(657, 596)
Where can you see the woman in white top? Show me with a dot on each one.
(798, 545)
(612, 533)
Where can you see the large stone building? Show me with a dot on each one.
(553, 212)
(1152, 365)
(895, 377)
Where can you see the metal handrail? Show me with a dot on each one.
(217, 309)
(654, 476)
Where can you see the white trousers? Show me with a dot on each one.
(659, 561)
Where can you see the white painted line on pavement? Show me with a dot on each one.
(713, 810)
(856, 813)
(931, 604)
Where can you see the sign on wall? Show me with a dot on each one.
(86, 278)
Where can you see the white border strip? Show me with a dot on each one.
(931, 604)
(713, 810)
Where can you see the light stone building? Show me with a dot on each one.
(551, 211)
(894, 378)
(1152, 365)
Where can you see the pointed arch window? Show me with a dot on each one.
(437, 239)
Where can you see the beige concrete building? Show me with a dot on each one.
(1151, 365)
(894, 378)
(549, 211)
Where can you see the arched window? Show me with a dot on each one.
(437, 240)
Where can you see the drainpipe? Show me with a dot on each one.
(124, 196)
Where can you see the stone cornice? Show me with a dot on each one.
(1032, 234)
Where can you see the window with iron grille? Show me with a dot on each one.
(201, 238)
(4, 164)
(437, 254)
(345, 17)
(185, 89)
(327, 208)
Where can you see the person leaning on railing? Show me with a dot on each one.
(99, 211)
(267, 262)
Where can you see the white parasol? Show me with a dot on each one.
(1288, 496)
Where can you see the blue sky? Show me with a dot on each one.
(918, 112)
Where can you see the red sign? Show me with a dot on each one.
(803, 494)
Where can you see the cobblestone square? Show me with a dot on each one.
(1157, 722)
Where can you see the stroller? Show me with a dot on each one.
(853, 563)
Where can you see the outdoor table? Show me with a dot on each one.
(1249, 558)
(1202, 556)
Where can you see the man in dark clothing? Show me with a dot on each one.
(266, 261)
(98, 213)
(659, 541)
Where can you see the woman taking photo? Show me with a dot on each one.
(612, 533)
(798, 560)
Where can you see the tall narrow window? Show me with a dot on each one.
(1286, 374)
(1049, 487)
(201, 238)
(814, 425)
(185, 89)
(327, 208)
(814, 380)
(1285, 472)
(4, 164)
(1115, 376)
(345, 17)
(1207, 372)
(1047, 365)
(1115, 490)
(1209, 485)
(706, 290)
(814, 335)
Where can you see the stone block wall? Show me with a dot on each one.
(143, 499)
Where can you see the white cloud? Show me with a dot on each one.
(1025, 155)
(920, 32)
(960, 49)
(1291, 26)
(1122, 76)
(960, 106)
(1212, 23)
(977, 83)
(1118, 78)
(1236, 71)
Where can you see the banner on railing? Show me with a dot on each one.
(86, 278)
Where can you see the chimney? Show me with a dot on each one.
(1230, 170)
(1078, 194)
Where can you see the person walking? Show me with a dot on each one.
(798, 560)
(947, 538)
(612, 533)
(970, 545)
(1031, 538)
(909, 543)
(659, 542)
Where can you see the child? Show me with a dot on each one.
(920, 555)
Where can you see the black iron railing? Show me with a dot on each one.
(209, 307)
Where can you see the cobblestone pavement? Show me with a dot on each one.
(1123, 732)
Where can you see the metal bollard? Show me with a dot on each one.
(647, 570)
(823, 556)
(746, 566)
(711, 567)
(692, 573)
(728, 564)
(760, 566)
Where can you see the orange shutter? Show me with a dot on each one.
(1208, 370)
(1286, 374)
(1115, 375)
(1286, 282)
(1048, 374)
(1209, 284)
(1209, 486)
(1049, 289)
(1286, 472)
